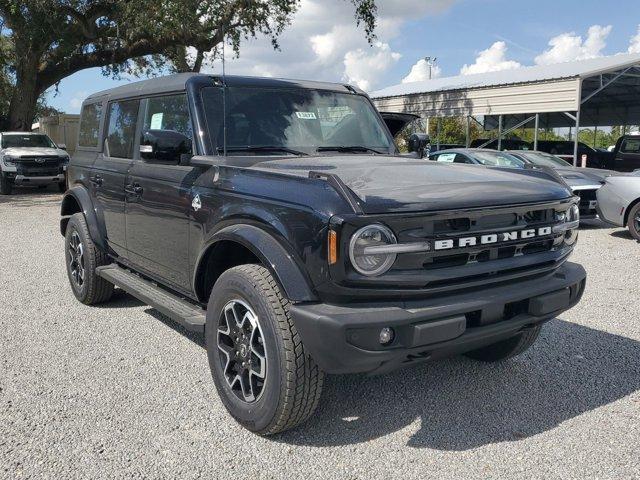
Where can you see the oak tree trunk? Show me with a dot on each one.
(22, 108)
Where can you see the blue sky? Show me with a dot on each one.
(322, 42)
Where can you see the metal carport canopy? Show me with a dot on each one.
(605, 90)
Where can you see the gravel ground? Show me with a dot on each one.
(120, 391)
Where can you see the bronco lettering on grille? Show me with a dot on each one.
(490, 238)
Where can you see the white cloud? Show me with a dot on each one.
(420, 72)
(569, 46)
(76, 101)
(324, 43)
(361, 67)
(491, 60)
(634, 43)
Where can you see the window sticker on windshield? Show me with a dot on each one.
(156, 121)
(306, 115)
(446, 157)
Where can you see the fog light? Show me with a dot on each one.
(386, 336)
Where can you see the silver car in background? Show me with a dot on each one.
(28, 158)
(619, 202)
(584, 182)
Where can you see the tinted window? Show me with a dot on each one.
(17, 140)
(90, 125)
(300, 119)
(630, 145)
(167, 127)
(122, 128)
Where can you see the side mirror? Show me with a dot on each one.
(420, 143)
(164, 146)
(62, 146)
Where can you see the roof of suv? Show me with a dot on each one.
(179, 81)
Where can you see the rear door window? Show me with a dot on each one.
(121, 134)
(90, 125)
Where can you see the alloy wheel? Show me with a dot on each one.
(243, 356)
(76, 259)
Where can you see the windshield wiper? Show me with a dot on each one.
(347, 148)
(263, 148)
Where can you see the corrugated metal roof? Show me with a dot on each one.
(539, 73)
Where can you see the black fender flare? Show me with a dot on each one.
(288, 272)
(80, 196)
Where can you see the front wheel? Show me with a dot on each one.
(633, 222)
(82, 258)
(261, 370)
(506, 348)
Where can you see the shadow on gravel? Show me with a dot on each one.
(197, 338)
(120, 299)
(623, 234)
(463, 404)
(594, 224)
(29, 197)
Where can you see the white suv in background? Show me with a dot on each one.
(31, 159)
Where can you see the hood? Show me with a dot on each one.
(579, 174)
(34, 152)
(395, 184)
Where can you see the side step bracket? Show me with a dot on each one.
(179, 310)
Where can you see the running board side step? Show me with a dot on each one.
(179, 310)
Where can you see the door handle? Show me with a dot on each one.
(133, 189)
(96, 180)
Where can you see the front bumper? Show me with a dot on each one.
(344, 338)
(24, 180)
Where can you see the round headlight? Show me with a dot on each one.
(9, 161)
(367, 259)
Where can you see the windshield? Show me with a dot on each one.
(299, 121)
(498, 159)
(17, 140)
(544, 159)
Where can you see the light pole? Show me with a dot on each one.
(430, 63)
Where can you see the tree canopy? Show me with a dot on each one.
(44, 41)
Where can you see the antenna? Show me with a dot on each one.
(224, 97)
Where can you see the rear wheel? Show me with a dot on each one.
(633, 222)
(82, 258)
(6, 186)
(263, 374)
(506, 348)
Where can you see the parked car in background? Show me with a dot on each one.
(505, 144)
(31, 159)
(619, 202)
(477, 156)
(626, 154)
(583, 181)
(564, 150)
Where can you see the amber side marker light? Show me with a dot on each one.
(333, 247)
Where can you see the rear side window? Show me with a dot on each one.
(123, 117)
(90, 125)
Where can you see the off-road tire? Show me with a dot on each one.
(293, 382)
(631, 222)
(506, 348)
(6, 185)
(94, 289)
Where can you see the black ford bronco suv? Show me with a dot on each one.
(277, 217)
